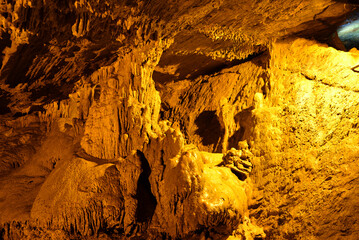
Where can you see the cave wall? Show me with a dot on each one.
(177, 120)
(306, 132)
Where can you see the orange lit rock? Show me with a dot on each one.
(177, 120)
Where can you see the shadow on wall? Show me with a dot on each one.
(245, 120)
(174, 67)
(146, 200)
(4, 101)
(209, 128)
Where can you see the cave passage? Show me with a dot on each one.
(146, 200)
(348, 32)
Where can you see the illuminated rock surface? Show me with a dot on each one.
(178, 120)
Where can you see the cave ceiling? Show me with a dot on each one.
(78, 37)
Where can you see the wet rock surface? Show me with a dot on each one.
(177, 120)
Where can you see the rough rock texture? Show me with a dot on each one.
(158, 119)
(310, 136)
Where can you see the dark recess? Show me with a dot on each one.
(17, 66)
(246, 122)
(355, 2)
(146, 201)
(4, 42)
(192, 66)
(209, 128)
(97, 93)
(4, 101)
(236, 137)
(240, 176)
(189, 67)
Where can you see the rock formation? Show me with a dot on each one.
(212, 119)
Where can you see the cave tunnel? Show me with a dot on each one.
(348, 32)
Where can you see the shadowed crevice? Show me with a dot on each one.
(209, 128)
(172, 67)
(5, 41)
(4, 101)
(146, 200)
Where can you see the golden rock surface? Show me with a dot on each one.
(213, 119)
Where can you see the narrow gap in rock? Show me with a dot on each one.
(97, 93)
(4, 101)
(146, 200)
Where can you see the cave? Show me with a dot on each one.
(209, 120)
(348, 32)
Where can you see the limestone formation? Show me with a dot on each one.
(239, 162)
(212, 119)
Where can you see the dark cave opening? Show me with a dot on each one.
(146, 200)
(209, 128)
